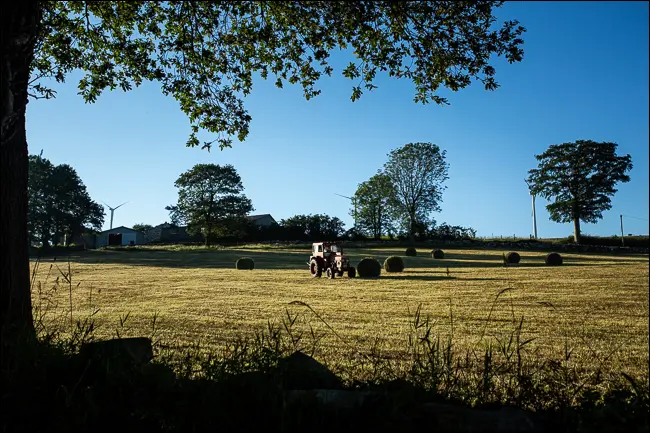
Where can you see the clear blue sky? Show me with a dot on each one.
(584, 76)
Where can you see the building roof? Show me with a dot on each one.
(256, 217)
(118, 229)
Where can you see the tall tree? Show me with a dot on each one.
(142, 227)
(580, 178)
(374, 198)
(210, 201)
(317, 227)
(59, 203)
(205, 54)
(417, 172)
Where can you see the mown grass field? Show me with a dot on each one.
(595, 305)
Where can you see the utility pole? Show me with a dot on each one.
(622, 232)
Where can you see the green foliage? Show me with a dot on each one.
(142, 227)
(205, 54)
(513, 257)
(245, 263)
(59, 203)
(411, 252)
(210, 201)
(319, 227)
(417, 172)
(394, 264)
(373, 201)
(579, 179)
(368, 268)
(438, 254)
(553, 259)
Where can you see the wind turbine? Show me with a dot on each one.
(354, 200)
(534, 213)
(113, 211)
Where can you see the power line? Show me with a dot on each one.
(638, 218)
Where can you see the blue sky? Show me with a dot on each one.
(584, 76)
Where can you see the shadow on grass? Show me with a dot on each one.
(297, 260)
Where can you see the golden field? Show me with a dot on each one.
(596, 305)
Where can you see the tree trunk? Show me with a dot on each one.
(576, 230)
(20, 22)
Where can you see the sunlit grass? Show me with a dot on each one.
(595, 305)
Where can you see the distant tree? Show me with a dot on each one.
(59, 203)
(210, 201)
(417, 172)
(142, 227)
(374, 201)
(313, 227)
(579, 177)
(205, 55)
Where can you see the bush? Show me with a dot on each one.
(245, 263)
(368, 268)
(513, 257)
(553, 259)
(394, 264)
(411, 252)
(438, 254)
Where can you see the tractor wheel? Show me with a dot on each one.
(315, 269)
(340, 273)
(352, 272)
(330, 273)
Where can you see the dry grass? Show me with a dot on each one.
(596, 305)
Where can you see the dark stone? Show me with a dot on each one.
(124, 351)
(457, 418)
(301, 371)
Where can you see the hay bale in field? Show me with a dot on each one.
(553, 259)
(513, 257)
(394, 264)
(438, 254)
(411, 252)
(369, 268)
(245, 263)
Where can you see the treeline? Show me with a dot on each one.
(59, 206)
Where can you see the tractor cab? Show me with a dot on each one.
(326, 249)
(328, 256)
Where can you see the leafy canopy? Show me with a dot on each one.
(373, 211)
(205, 54)
(142, 227)
(319, 227)
(417, 172)
(58, 202)
(210, 201)
(579, 178)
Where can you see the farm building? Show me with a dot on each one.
(263, 220)
(119, 236)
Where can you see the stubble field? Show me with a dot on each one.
(594, 305)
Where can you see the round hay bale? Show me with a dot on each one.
(411, 252)
(394, 264)
(438, 254)
(553, 259)
(245, 263)
(513, 257)
(368, 268)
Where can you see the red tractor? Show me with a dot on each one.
(329, 256)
